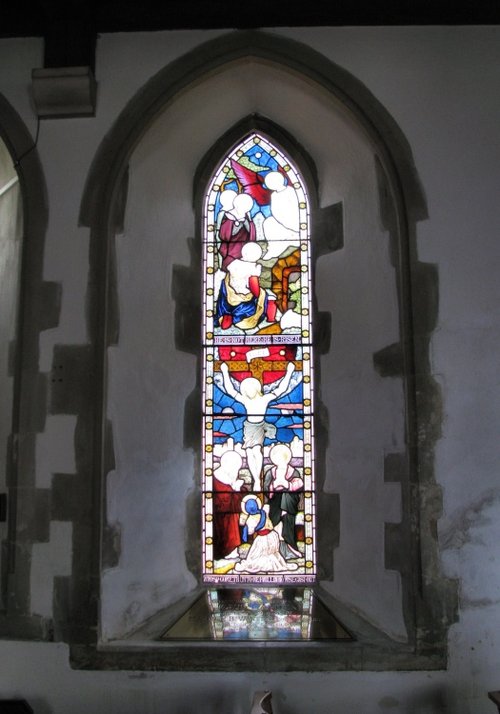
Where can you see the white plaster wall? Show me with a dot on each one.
(441, 86)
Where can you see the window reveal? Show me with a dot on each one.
(258, 455)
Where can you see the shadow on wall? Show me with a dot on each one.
(20, 706)
(434, 700)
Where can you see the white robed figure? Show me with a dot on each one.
(255, 427)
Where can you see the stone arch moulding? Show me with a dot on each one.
(429, 600)
(27, 510)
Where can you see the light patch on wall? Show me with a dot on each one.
(48, 561)
(54, 449)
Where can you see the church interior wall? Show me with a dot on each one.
(439, 84)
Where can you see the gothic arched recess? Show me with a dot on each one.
(399, 366)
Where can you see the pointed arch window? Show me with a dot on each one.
(258, 424)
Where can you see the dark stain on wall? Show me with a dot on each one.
(461, 526)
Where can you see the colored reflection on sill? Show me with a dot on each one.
(258, 614)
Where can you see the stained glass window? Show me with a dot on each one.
(258, 431)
